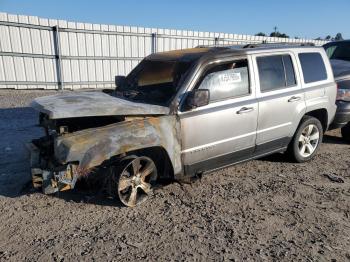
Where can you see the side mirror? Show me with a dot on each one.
(120, 81)
(197, 98)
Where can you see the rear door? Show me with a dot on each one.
(281, 100)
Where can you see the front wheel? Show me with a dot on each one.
(306, 140)
(135, 180)
(345, 132)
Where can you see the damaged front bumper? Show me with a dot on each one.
(50, 179)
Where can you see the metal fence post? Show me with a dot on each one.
(154, 43)
(216, 41)
(58, 58)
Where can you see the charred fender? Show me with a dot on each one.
(92, 147)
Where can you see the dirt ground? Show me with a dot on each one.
(263, 210)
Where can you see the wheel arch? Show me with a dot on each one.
(320, 114)
(93, 147)
(158, 154)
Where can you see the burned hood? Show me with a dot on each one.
(83, 104)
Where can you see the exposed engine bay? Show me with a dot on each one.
(74, 146)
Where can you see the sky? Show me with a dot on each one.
(296, 18)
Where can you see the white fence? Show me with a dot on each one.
(56, 54)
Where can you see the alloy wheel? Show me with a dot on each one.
(136, 181)
(308, 140)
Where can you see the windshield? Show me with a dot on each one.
(154, 81)
(340, 51)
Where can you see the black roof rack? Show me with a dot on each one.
(217, 46)
(257, 45)
(277, 44)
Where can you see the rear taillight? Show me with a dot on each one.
(343, 90)
(343, 94)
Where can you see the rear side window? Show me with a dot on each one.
(276, 72)
(340, 51)
(313, 67)
(330, 51)
(227, 80)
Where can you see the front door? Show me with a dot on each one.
(224, 131)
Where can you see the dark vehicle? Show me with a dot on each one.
(339, 55)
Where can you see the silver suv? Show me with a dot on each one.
(182, 113)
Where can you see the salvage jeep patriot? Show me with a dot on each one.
(182, 113)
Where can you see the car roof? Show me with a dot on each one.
(337, 42)
(191, 54)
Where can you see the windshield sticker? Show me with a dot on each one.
(230, 78)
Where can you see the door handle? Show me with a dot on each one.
(245, 110)
(294, 99)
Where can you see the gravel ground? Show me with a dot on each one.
(268, 209)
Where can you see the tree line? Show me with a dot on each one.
(337, 37)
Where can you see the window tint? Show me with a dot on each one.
(339, 51)
(313, 67)
(330, 51)
(275, 72)
(227, 80)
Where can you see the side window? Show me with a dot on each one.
(276, 72)
(226, 80)
(313, 67)
(339, 51)
(330, 51)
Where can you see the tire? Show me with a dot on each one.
(134, 180)
(306, 140)
(345, 132)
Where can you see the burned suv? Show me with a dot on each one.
(179, 114)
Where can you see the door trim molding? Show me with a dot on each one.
(273, 127)
(189, 150)
(258, 151)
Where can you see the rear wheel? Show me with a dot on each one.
(135, 180)
(345, 132)
(306, 140)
